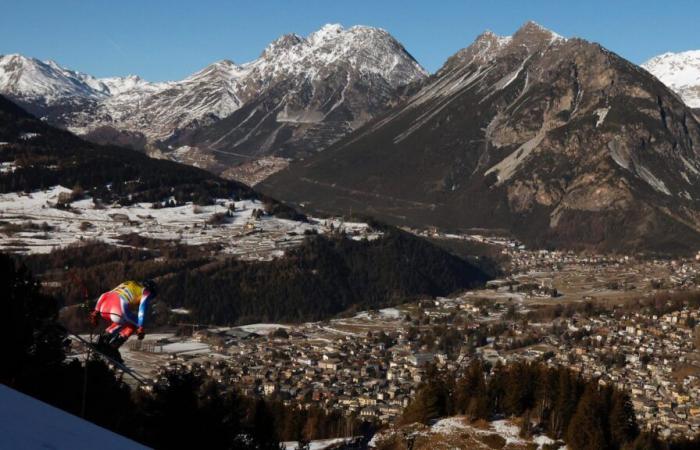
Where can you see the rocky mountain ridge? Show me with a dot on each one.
(327, 84)
(558, 140)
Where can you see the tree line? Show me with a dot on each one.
(324, 276)
(554, 400)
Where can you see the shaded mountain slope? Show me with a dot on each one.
(559, 140)
(40, 156)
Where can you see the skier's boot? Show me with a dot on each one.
(102, 344)
(108, 344)
(117, 341)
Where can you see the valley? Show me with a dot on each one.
(623, 321)
(329, 246)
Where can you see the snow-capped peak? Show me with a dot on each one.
(488, 45)
(327, 32)
(27, 77)
(489, 41)
(221, 70)
(281, 44)
(680, 72)
(534, 34)
(120, 85)
(531, 25)
(367, 49)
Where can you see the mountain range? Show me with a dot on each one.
(559, 141)
(299, 96)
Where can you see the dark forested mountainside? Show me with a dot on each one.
(44, 156)
(325, 276)
(322, 278)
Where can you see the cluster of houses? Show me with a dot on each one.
(655, 359)
(374, 374)
(630, 273)
(370, 375)
(357, 375)
(652, 358)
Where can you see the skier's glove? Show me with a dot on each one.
(140, 333)
(94, 318)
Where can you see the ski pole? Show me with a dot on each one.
(85, 377)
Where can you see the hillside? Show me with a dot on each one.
(35, 155)
(561, 141)
(318, 279)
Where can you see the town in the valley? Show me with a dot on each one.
(622, 320)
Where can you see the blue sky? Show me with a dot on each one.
(164, 40)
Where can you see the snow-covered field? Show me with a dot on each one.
(240, 234)
(390, 313)
(262, 328)
(386, 313)
(449, 425)
(320, 444)
(188, 347)
(459, 432)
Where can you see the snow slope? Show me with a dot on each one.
(34, 79)
(680, 72)
(27, 423)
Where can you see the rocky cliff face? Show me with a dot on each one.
(559, 140)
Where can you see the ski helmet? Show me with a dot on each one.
(151, 287)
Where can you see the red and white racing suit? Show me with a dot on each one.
(125, 306)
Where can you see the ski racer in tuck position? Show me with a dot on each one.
(125, 307)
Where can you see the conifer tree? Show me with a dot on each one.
(622, 422)
(587, 428)
(646, 441)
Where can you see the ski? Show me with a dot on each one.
(139, 378)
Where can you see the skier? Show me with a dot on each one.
(125, 306)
